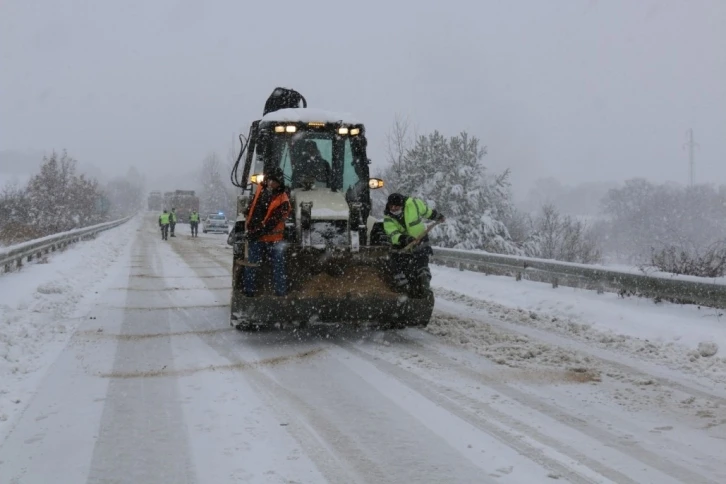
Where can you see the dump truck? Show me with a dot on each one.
(184, 201)
(337, 255)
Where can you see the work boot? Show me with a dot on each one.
(424, 277)
(425, 282)
(400, 282)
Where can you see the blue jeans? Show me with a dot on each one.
(275, 251)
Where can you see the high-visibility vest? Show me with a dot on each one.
(194, 217)
(414, 211)
(278, 199)
(164, 219)
(172, 216)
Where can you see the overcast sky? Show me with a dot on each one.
(579, 90)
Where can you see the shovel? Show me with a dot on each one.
(420, 237)
(246, 262)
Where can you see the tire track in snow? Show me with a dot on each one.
(445, 398)
(605, 357)
(504, 436)
(278, 394)
(339, 447)
(143, 437)
(601, 435)
(335, 454)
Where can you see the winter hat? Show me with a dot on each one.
(396, 199)
(277, 175)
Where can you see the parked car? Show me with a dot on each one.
(216, 223)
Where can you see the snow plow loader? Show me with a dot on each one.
(337, 256)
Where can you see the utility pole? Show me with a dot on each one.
(691, 145)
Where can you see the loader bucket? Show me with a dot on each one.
(343, 293)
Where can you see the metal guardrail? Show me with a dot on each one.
(15, 254)
(660, 287)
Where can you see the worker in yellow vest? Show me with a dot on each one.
(172, 220)
(164, 220)
(194, 222)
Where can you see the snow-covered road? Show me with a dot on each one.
(151, 385)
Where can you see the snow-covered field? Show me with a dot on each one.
(124, 368)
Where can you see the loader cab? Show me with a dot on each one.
(323, 157)
(316, 147)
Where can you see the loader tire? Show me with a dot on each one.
(245, 327)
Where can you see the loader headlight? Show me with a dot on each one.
(374, 183)
(354, 131)
(257, 178)
(342, 130)
(279, 129)
(290, 129)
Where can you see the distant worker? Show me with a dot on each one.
(164, 225)
(194, 222)
(264, 230)
(172, 220)
(309, 163)
(403, 222)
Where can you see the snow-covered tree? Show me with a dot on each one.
(215, 195)
(399, 140)
(449, 176)
(675, 228)
(15, 222)
(55, 200)
(60, 199)
(646, 218)
(562, 237)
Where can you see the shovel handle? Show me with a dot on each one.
(418, 239)
(246, 261)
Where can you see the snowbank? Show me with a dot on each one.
(681, 337)
(309, 115)
(41, 304)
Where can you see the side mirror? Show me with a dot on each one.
(374, 183)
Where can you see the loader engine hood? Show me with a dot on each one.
(327, 205)
(322, 219)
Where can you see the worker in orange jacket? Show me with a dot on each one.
(264, 231)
